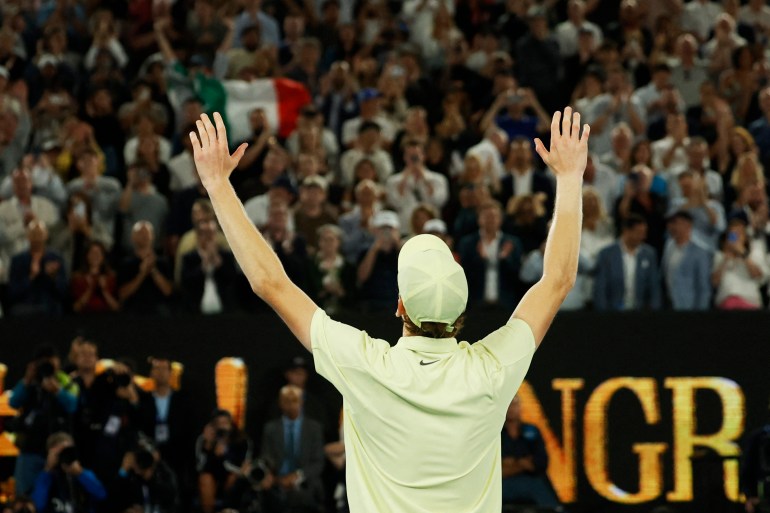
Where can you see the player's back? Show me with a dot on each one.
(423, 418)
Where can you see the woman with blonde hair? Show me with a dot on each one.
(422, 213)
(747, 171)
(332, 278)
(474, 170)
(741, 141)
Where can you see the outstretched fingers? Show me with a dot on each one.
(586, 133)
(566, 121)
(555, 123)
(203, 134)
(541, 150)
(196, 143)
(575, 134)
(221, 130)
(210, 129)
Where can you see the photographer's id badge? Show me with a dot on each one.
(112, 426)
(161, 433)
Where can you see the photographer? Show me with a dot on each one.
(254, 489)
(219, 450)
(144, 482)
(117, 419)
(45, 398)
(65, 485)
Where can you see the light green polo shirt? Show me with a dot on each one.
(422, 419)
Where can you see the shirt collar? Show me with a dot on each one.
(427, 344)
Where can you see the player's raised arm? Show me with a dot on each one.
(567, 159)
(255, 256)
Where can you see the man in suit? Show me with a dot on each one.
(208, 273)
(37, 280)
(491, 260)
(294, 445)
(165, 419)
(521, 177)
(627, 276)
(686, 266)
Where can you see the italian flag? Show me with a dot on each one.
(280, 98)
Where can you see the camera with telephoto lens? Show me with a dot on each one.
(118, 379)
(222, 433)
(68, 456)
(44, 370)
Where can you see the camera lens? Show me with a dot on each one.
(44, 370)
(68, 455)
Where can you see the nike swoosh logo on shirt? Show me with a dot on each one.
(427, 363)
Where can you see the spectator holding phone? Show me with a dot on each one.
(71, 240)
(739, 268)
(64, 485)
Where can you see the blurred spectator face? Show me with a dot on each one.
(621, 139)
(250, 38)
(675, 124)
(642, 153)
(102, 102)
(370, 108)
(312, 196)
(420, 216)
(514, 410)
(87, 356)
(278, 217)
(142, 93)
(144, 126)
(586, 42)
(200, 213)
(22, 184)
(297, 377)
(95, 256)
(629, 11)
(724, 27)
(538, 25)
(160, 372)
(37, 234)
(593, 86)
(191, 112)
(274, 164)
(635, 236)
(290, 401)
(745, 59)
(414, 156)
(223, 423)
(472, 169)
(366, 192)
(88, 165)
(686, 47)
(661, 78)
(576, 11)
(309, 53)
(490, 218)
(330, 14)
(293, 27)
(206, 232)
(307, 165)
(519, 154)
(339, 72)
(142, 236)
(688, 183)
(257, 120)
(328, 244)
(369, 139)
(415, 121)
(679, 229)
(697, 152)
(365, 170)
(500, 139)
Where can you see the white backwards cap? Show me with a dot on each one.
(431, 283)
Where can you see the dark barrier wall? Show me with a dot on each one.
(636, 408)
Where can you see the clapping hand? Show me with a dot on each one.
(568, 154)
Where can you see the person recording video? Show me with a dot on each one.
(45, 398)
(64, 485)
(144, 483)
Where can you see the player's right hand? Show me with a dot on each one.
(212, 156)
(569, 150)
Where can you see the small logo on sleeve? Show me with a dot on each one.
(422, 362)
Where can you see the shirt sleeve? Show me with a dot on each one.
(510, 344)
(341, 352)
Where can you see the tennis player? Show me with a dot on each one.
(423, 418)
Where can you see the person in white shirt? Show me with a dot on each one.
(415, 184)
(698, 17)
(698, 163)
(671, 151)
(567, 31)
(757, 14)
(399, 400)
(181, 168)
(740, 268)
(16, 214)
(367, 147)
(655, 97)
(370, 103)
(603, 180)
(689, 72)
(104, 191)
(708, 215)
(490, 150)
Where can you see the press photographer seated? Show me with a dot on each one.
(64, 485)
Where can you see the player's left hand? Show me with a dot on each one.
(212, 155)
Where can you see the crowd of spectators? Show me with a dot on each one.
(421, 120)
